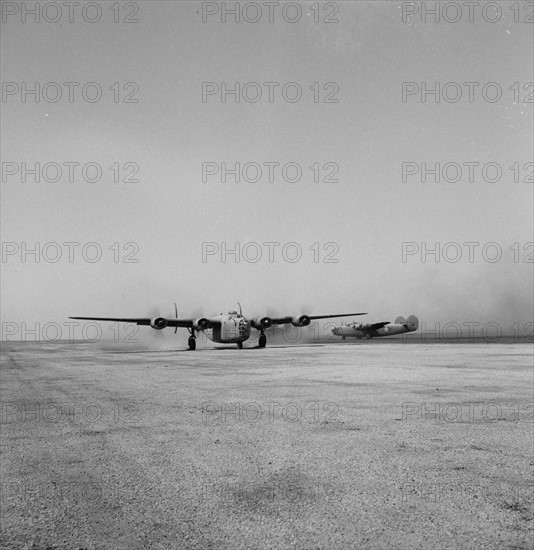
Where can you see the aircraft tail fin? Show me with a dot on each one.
(413, 322)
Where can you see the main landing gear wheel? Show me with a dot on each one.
(240, 345)
(192, 343)
(262, 341)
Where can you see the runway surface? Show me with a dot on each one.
(324, 446)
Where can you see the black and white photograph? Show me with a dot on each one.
(267, 276)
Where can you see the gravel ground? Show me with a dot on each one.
(325, 446)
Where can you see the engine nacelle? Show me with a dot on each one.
(302, 321)
(400, 320)
(261, 322)
(201, 323)
(159, 323)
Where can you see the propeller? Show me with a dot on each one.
(240, 312)
(176, 315)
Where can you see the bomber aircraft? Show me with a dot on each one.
(232, 328)
(385, 328)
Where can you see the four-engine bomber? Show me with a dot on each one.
(230, 328)
(372, 330)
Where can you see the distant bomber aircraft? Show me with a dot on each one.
(359, 330)
(232, 328)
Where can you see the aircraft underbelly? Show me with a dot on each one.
(350, 331)
(388, 330)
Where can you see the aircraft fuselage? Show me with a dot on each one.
(388, 330)
(234, 328)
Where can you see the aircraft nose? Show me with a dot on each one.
(334, 329)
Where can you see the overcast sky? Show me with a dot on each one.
(170, 132)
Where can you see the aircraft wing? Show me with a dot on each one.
(289, 319)
(186, 323)
(375, 326)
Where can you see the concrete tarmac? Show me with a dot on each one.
(309, 447)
